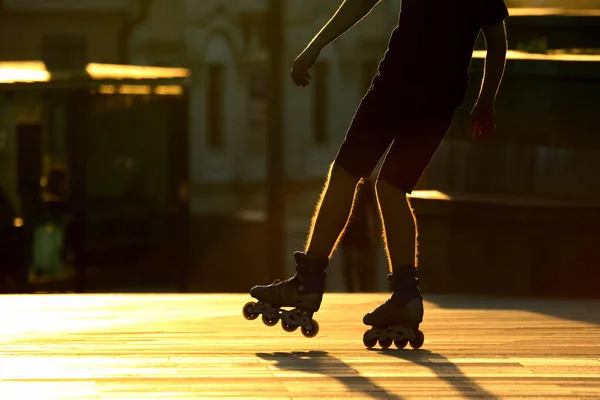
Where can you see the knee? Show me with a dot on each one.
(338, 175)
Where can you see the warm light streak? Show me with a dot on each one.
(519, 55)
(107, 89)
(169, 90)
(135, 89)
(545, 12)
(430, 194)
(113, 71)
(36, 71)
(29, 71)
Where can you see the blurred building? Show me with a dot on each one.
(160, 38)
(89, 146)
(98, 28)
(226, 50)
(227, 53)
(65, 35)
(224, 44)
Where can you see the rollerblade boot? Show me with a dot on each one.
(303, 292)
(397, 320)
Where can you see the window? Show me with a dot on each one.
(214, 106)
(321, 97)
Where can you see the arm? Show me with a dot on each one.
(495, 62)
(483, 115)
(349, 13)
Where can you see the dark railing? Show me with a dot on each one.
(547, 143)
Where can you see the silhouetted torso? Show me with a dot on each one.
(432, 47)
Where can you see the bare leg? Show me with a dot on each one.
(304, 291)
(332, 212)
(365, 263)
(397, 221)
(350, 259)
(406, 304)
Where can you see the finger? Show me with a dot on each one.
(298, 78)
(299, 73)
(305, 78)
(301, 82)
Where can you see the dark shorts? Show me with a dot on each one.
(411, 130)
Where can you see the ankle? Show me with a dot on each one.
(404, 283)
(403, 269)
(311, 272)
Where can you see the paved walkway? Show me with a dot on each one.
(199, 346)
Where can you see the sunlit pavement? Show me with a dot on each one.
(200, 346)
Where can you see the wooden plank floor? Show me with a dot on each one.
(199, 346)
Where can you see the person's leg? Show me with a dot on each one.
(350, 265)
(364, 264)
(405, 163)
(397, 220)
(366, 142)
(332, 212)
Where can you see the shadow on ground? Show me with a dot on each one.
(322, 363)
(438, 363)
(569, 309)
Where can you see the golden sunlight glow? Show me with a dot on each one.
(519, 55)
(108, 89)
(172, 90)
(430, 194)
(18, 222)
(25, 71)
(113, 71)
(24, 65)
(36, 71)
(543, 12)
(161, 90)
(135, 89)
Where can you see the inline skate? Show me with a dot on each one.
(303, 293)
(397, 320)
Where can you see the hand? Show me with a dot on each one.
(483, 120)
(302, 64)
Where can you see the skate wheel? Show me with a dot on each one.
(368, 341)
(288, 328)
(246, 311)
(270, 320)
(310, 333)
(385, 343)
(401, 343)
(415, 344)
